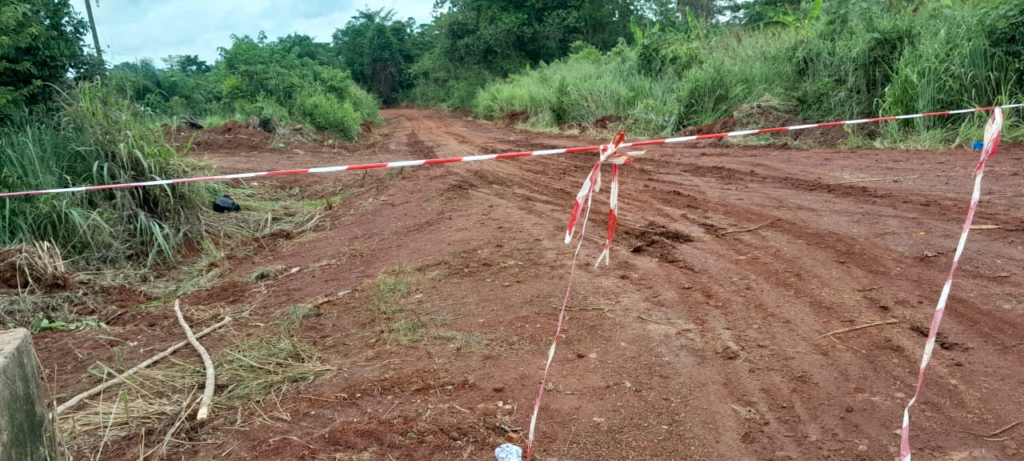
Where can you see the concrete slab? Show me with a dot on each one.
(24, 422)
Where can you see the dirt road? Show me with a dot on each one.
(690, 346)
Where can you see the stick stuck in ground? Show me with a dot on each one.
(211, 378)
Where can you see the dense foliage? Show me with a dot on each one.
(838, 60)
(40, 45)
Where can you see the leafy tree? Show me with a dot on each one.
(379, 51)
(305, 47)
(476, 40)
(271, 78)
(185, 86)
(187, 64)
(40, 44)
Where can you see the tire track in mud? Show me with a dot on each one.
(818, 273)
(695, 346)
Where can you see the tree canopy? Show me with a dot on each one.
(40, 45)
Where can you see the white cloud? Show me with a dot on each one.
(136, 29)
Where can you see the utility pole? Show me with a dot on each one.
(95, 36)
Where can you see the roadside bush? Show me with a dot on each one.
(324, 97)
(326, 112)
(97, 138)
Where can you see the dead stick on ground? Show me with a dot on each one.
(96, 390)
(876, 180)
(833, 338)
(740, 231)
(567, 444)
(1000, 431)
(660, 322)
(603, 310)
(847, 330)
(204, 406)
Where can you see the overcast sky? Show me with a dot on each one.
(136, 29)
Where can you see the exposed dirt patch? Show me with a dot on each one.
(692, 347)
(516, 117)
(767, 116)
(23, 267)
(230, 137)
(719, 126)
(941, 339)
(756, 116)
(607, 121)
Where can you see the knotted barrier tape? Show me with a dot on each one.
(993, 132)
(609, 155)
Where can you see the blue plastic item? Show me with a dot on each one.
(978, 145)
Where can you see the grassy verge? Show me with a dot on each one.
(852, 62)
(98, 139)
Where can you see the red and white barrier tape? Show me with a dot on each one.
(992, 134)
(329, 169)
(582, 205)
(476, 158)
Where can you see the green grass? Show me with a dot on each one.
(265, 273)
(396, 321)
(463, 342)
(336, 200)
(293, 318)
(852, 62)
(99, 138)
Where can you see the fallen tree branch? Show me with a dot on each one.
(875, 180)
(993, 434)
(96, 390)
(985, 227)
(652, 320)
(847, 330)
(204, 406)
(740, 231)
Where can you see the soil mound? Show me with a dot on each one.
(771, 113)
(232, 136)
(605, 122)
(39, 266)
(718, 126)
(516, 117)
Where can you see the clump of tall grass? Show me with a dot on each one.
(658, 86)
(97, 138)
(853, 61)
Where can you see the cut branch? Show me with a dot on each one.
(96, 390)
(847, 330)
(740, 231)
(992, 434)
(875, 180)
(204, 406)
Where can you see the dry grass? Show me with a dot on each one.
(27, 273)
(36, 266)
(159, 402)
